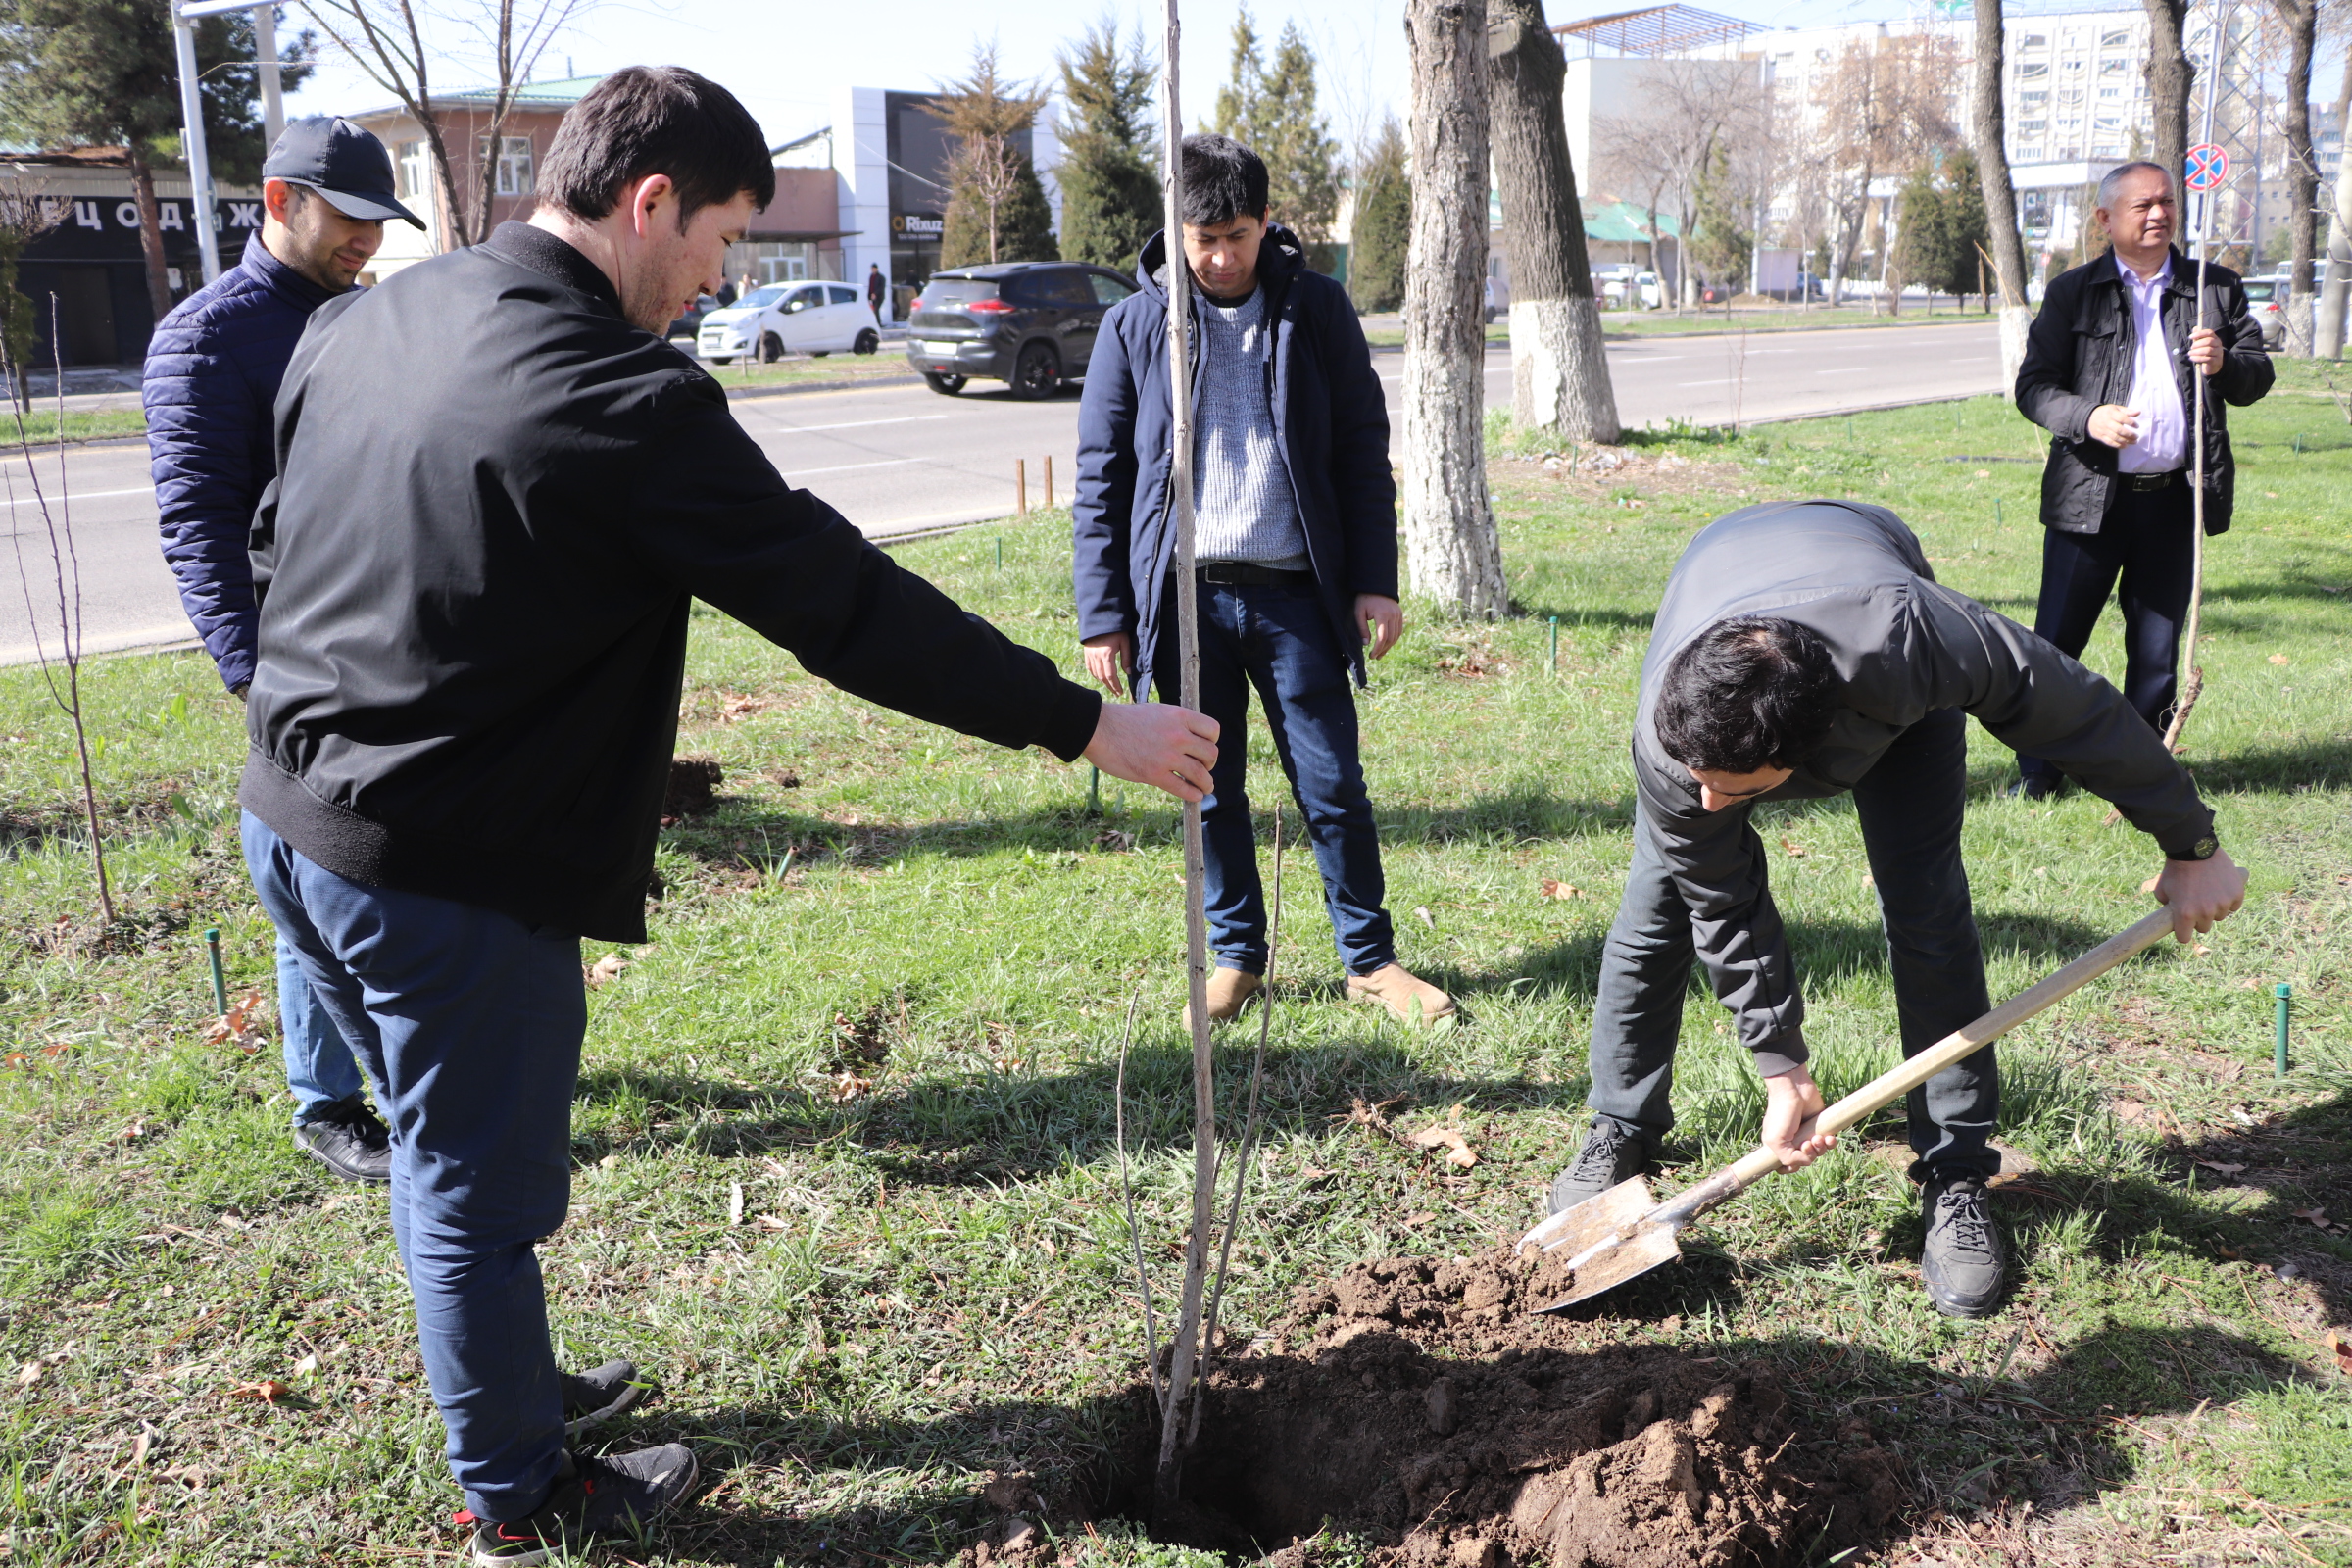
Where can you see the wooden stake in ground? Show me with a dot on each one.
(2193, 685)
(1451, 551)
(1168, 1477)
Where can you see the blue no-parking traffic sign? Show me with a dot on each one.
(2208, 167)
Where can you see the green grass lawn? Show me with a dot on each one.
(81, 424)
(883, 998)
(802, 370)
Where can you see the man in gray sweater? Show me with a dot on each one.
(1805, 650)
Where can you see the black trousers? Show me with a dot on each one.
(2140, 553)
(1911, 805)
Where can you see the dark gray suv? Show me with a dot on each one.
(1030, 325)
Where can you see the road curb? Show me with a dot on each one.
(852, 384)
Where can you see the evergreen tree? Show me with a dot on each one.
(1110, 189)
(1271, 111)
(996, 211)
(1720, 249)
(1384, 220)
(104, 73)
(1941, 225)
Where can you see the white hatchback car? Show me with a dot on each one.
(780, 318)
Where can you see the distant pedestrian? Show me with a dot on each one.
(211, 375)
(877, 289)
(1297, 551)
(727, 294)
(2107, 371)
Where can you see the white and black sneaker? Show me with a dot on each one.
(1613, 1153)
(347, 1139)
(1962, 1263)
(620, 1494)
(591, 1399)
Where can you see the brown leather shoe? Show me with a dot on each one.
(1228, 991)
(1410, 997)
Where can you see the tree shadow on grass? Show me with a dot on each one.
(1973, 1446)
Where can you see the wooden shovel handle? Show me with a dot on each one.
(1957, 1045)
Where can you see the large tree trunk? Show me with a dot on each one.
(2327, 332)
(2168, 80)
(151, 229)
(1451, 551)
(2000, 196)
(1559, 368)
(2301, 20)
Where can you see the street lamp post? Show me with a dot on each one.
(184, 16)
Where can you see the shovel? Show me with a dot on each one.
(1624, 1232)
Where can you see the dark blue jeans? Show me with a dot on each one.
(469, 1024)
(1279, 640)
(1910, 807)
(320, 1069)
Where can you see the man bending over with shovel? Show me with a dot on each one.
(1805, 649)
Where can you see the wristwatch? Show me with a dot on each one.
(2202, 849)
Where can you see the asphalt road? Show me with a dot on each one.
(902, 459)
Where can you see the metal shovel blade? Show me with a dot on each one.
(1613, 1237)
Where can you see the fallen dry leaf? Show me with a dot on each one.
(1449, 1139)
(2317, 1217)
(237, 1027)
(1793, 848)
(772, 1222)
(848, 1085)
(1558, 890)
(28, 1374)
(2220, 1168)
(306, 1366)
(607, 967)
(268, 1391)
(2280, 659)
(1422, 909)
(1374, 1116)
(2340, 1342)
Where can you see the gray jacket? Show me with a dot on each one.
(1906, 646)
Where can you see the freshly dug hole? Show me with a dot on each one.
(1516, 1443)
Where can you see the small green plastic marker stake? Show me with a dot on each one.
(1996, 511)
(1000, 555)
(1849, 430)
(211, 946)
(2298, 443)
(1555, 645)
(1094, 794)
(2285, 995)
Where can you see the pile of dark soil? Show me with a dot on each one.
(1421, 1405)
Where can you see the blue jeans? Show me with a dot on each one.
(320, 1068)
(1910, 805)
(1279, 640)
(469, 1024)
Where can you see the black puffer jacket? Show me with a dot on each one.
(2079, 356)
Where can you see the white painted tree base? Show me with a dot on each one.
(1559, 369)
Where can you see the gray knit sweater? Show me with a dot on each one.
(1242, 507)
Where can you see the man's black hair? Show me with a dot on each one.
(1747, 693)
(656, 119)
(1222, 180)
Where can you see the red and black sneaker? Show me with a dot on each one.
(619, 1495)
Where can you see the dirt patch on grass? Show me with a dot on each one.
(1629, 475)
(1420, 1404)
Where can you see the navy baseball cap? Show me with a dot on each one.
(344, 164)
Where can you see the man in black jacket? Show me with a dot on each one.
(2111, 365)
(1294, 540)
(472, 638)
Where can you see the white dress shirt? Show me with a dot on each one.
(2163, 444)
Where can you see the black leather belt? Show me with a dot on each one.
(2150, 481)
(1247, 573)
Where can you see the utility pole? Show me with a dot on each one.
(184, 16)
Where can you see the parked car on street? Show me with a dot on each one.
(1030, 325)
(780, 318)
(2266, 302)
(1640, 288)
(687, 325)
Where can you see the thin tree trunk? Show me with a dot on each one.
(1452, 549)
(2008, 251)
(2168, 80)
(1559, 368)
(2300, 18)
(2327, 332)
(151, 229)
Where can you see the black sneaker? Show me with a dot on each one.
(591, 1397)
(2036, 787)
(347, 1139)
(619, 1495)
(1612, 1154)
(1962, 1263)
